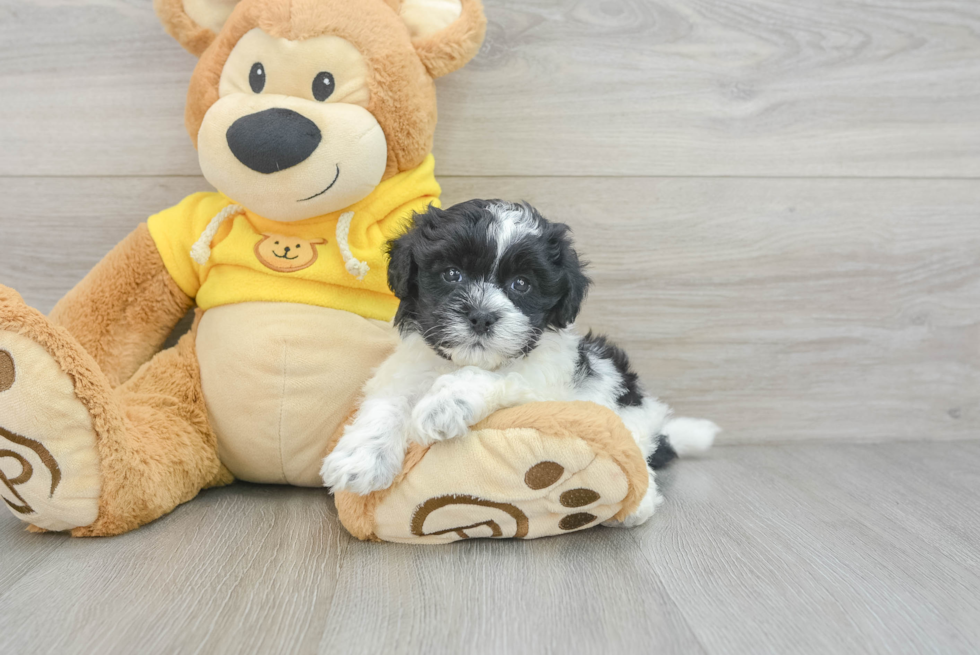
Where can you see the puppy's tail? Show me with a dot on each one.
(682, 437)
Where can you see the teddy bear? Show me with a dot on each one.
(314, 122)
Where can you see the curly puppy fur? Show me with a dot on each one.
(489, 293)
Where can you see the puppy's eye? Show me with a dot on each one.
(452, 275)
(323, 86)
(520, 285)
(256, 77)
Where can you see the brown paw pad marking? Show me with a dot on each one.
(7, 373)
(428, 507)
(20, 505)
(543, 474)
(576, 521)
(578, 497)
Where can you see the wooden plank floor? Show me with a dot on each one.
(781, 204)
(803, 548)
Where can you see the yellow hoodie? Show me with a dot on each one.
(336, 260)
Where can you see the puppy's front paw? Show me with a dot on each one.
(360, 470)
(441, 416)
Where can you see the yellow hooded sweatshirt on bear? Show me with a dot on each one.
(336, 260)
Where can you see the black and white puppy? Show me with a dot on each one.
(489, 292)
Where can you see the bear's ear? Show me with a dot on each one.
(446, 33)
(194, 23)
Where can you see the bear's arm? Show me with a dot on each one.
(124, 309)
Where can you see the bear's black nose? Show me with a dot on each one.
(273, 140)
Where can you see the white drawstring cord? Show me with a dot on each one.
(201, 250)
(353, 265)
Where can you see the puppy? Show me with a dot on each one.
(489, 292)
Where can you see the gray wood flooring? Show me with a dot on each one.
(802, 548)
(781, 203)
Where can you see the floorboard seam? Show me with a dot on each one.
(663, 585)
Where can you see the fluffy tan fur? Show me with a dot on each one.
(597, 426)
(446, 51)
(154, 441)
(403, 97)
(181, 27)
(124, 309)
(143, 475)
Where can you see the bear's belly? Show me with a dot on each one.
(279, 379)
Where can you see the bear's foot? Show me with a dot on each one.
(49, 464)
(651, 501)
(532, 471)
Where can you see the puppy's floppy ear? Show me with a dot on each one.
(401, 264)
(402, 251)
(194, 23)
(446, 33)
(572, 271)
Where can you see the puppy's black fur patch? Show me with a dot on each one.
(663, 455)
(484, 246)
(597, 345)
(464, 237)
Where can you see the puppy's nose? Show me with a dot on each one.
(481, 321)
(273, 140)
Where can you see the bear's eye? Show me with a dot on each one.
(256, 77)
(297, 246)
(452, 275)
(322, 86)
(277, 243)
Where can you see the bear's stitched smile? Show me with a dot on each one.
(330, 186)
(284, 255)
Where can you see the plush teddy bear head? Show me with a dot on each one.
(300, 108)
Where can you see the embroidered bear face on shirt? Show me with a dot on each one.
(286, 254)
